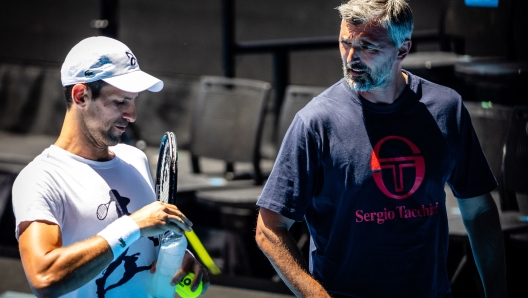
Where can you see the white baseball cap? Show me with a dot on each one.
(107, 59)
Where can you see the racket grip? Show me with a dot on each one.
(201, 252)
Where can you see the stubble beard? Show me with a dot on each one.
(370, 79)
(101, 134)
(111, 139)
(104, 137)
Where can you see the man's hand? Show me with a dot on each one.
(158, 217)
(190, 264)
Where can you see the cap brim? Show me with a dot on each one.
(136, 81)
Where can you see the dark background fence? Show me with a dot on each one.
(185, 37)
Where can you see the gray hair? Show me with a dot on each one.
(393, 15)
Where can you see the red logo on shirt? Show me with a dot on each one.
(395, 166)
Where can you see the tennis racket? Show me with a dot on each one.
(166, 188)
(167, 170)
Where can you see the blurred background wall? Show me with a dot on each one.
(184, 37)
(180, 41)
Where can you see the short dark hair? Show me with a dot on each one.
(95, 87)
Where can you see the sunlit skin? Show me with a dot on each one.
(371, 61)
(98, 123)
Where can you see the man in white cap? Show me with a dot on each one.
(87, 219)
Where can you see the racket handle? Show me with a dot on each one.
(201, 252)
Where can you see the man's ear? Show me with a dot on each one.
(404, 49)
(80, 94)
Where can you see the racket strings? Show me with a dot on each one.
(102, 210)
(164, 175)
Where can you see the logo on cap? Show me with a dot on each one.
(133, 60)
(88, 73)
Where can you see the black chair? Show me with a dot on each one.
(245, 197)
(236, 206)
(514, 179)
(491, 123)
(226, 126)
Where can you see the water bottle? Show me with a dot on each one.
(170, 259)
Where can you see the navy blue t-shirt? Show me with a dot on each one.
(369, 180)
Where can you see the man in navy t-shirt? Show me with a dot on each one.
(366, 162)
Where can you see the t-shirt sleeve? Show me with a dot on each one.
(292, 182)
(472, 175)
(34, 198)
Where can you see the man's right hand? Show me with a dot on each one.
(158, 217)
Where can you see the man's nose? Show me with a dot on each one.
(130, 112)
(352, 55)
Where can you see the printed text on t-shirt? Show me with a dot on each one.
(400, 212)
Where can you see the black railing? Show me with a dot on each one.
(280, 50)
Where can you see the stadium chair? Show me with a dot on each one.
(513, 189)
(491, 122)
(514, 178)
(237, 207)
(296, 98)
(226, 126)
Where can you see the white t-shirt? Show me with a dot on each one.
(82, 197)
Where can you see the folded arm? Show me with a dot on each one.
(481, 219)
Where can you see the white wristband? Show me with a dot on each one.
(120, 234)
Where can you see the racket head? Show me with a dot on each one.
(102, 211)
(167, 169)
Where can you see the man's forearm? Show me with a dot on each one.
(283, 253)
(66, 269)
(488, 249)
(53, 270)
(487, 243)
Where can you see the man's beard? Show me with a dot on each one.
(370, 79)
(111, 139)
(114, 139)
(102, 136)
